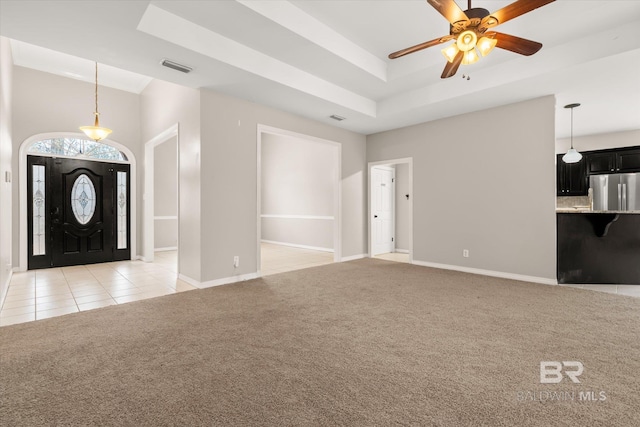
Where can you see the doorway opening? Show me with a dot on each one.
(298, 218)
(162, 211)
(391, 210)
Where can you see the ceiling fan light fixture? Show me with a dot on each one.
(470, 57)
(486, 45)
(450, 52)
(467, 40)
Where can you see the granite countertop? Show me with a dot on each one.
(587, 210)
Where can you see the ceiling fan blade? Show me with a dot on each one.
(511, 11)
(420, 46)
(452, 67)
(516, 44)
(451, 11)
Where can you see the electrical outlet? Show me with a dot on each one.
(465, 253)
(236, 261)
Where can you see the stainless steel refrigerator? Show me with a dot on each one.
(616, 192)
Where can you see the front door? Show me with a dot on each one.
(78, 212)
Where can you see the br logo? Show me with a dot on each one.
(551, 372)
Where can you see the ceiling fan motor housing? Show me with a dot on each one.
(475, 16)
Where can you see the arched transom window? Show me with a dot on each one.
(76, 147)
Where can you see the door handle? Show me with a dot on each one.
(55, 212)
(375, 216)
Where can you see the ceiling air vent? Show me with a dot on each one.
(337, 117)
(176, 66)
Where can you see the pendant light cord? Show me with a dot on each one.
(571, 126)
(97, 89)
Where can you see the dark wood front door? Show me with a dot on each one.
(78, 212)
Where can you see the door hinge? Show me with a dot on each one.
(393, 180)
(392, 239)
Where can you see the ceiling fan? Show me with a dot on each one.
(468, 29)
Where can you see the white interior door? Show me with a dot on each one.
(382, 209)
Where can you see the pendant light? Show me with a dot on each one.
(96, 132)
(572, 155)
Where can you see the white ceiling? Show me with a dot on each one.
(317, 58)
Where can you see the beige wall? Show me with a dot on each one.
(483, 181)
(298, 178)
(163, 105)
(6, 150)
(165, 168)
(500, 209)
(600, 141)
(229, 199)
(403, 215)
(44, 102)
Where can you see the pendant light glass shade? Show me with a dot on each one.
(470, 57)
(450, 52)
(96, 132)
(467, 40)
(572, 155)
(486, 45)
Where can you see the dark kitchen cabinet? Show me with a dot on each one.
(601, 162)
(628, 160)
(613, 161)
(571, 178)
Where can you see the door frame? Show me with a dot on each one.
(337, 189)
(148, 239)
(391, 169)
(408, 161)
(22, 187)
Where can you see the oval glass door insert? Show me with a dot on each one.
(83, 199)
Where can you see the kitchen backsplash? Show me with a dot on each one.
(569, 202)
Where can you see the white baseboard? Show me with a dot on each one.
(501, 274)
(293, 245)
(218, 282)
(168, 248)
(402, 251)
(189, 280)
(6, 288)
(353, 257)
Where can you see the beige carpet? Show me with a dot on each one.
(361, 343)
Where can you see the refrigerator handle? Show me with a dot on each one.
(624, 197)
(620, 196)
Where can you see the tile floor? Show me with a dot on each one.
(279, 259)
(628, 290)
(39, 294)
(394, 256)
